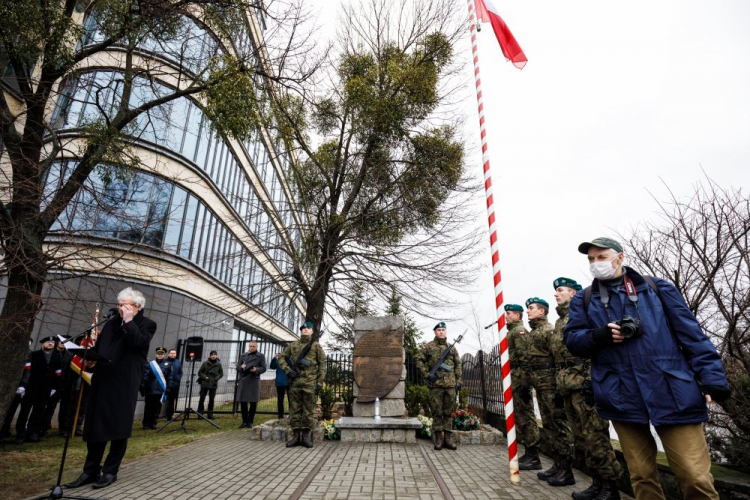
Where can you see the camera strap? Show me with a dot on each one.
(629, 290)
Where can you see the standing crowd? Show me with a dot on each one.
(625, 350)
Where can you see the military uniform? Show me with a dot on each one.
(574, 384)
(153, 392)
(443, 390)
(304, 387)
(528, 429)
(45, 374)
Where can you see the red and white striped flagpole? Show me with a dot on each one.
(504, 359)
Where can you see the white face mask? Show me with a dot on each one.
(602, 269)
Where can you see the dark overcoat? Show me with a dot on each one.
(248, 391)
(43, 377)
(114, 385)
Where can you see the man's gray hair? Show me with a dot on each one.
(138, 298)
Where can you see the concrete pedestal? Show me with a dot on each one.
(383, 430)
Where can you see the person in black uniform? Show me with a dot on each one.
(17, 399)
(45, 372)
(157, 379)
(124, 341)
(173, 391)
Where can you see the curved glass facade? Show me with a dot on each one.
(114, 203)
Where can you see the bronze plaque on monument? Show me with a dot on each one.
(378, 363)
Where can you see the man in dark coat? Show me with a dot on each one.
(651, 364)
(63, 395)
(157, 378)
(45, 372)
(209, 375)
(173, 391)
(20, 393)
(124, 342)
(250, 367)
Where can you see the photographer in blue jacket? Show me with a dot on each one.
(651, 364)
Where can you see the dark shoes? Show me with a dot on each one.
(306, 439)
(295, 439)
(591, 492)
(448, 441)
(83, 479)
(106, 480)
(608, 491)
(564, 476)
(437, 439)
(33, 438)
(244, 424)
(551, 471)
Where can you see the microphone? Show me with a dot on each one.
(112, 313)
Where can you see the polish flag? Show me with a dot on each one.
(487, 12)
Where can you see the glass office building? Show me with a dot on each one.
(200, 226)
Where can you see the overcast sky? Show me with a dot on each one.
(617, 98)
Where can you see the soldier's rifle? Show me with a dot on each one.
(440, 366)
(294, 368)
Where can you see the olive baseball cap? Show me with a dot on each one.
(600, 243)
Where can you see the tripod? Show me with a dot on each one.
(57, 491)
(188, 409)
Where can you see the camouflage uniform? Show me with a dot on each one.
(528, 429)
(312, 373)
(541, 373)
(579, 404)
(443, 391)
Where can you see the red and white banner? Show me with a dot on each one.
(488, 13)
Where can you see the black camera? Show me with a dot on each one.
(629, 327)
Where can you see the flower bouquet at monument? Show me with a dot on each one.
(426, 431)
(464, 420)
(330, 431)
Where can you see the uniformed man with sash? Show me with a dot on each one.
(157, 377)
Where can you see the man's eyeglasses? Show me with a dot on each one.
(123, 304)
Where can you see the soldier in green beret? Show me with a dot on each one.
(542, 378)
(444, 388)
(304, 385)
(528, 429)
(574, 384)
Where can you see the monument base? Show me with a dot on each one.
(383, 430)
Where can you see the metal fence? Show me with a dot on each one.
(229, 352)
(482, 377)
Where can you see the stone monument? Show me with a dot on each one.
(379, 372)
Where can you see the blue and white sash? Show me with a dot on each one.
(159, 378)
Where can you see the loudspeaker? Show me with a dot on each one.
(194, 348)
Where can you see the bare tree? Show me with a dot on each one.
(701, 245)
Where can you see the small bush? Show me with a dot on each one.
(417, 398)
(327, 399)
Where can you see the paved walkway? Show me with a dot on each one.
(230, 466)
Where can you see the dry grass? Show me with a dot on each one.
(31, 468)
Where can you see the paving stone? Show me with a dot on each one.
(228, 466)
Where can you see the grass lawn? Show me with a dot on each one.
(27, 469)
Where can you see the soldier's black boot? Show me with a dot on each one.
(295, 439)
(306, 438)
(448, 441)
(530, 460)
(608, 491)
(564, 476)
(552, 470)
(437, 438)
(591, 492)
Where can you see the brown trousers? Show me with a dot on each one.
(687, 454)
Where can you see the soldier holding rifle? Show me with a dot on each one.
(306, 373)
(441, 366)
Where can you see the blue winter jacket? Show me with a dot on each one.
(281, 380)
(657, 376)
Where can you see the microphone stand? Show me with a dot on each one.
(188, 408)
(57, 491)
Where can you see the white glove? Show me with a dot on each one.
(21, 391)
(52, 393)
